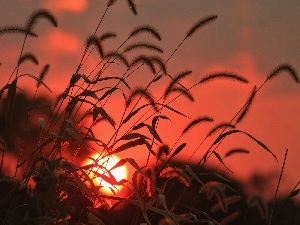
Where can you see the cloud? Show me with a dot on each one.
(61, 41)
(67, 5)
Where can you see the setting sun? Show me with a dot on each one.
(104, 169)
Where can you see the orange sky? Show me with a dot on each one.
(250, 38)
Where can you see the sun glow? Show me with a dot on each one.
(103, 170)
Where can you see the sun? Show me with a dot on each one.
(105, 164)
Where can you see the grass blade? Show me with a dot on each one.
(239, 131)
(130, 115)
(178, 149)
(11, 97)
(172, 109)
(236, 151)
(130, 144)
(220, 126)
(104, 114)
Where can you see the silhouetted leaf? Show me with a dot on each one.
(112, 78)
(110, 178)
(239, 131)
(104, 114)
(122, 162)
(11, 97)
(130, 144)
(130, 115)
(139, 126)
(178, 149)
(236, 151)
(172, 109)
(133, 136)
(220, 126)
(150, 129)
(154, 121)
(220, 160)
(88, 93)
(294, 193)
(133, 163)
(157, 78)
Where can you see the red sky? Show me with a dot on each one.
(250, 38)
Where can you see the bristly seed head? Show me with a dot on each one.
(201, 23)
(41, 13)
(284, 67)
(145, 28)
(143, 92)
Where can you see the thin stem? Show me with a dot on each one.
(277, 188)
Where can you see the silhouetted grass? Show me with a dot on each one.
(54, 189)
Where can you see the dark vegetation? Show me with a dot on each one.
(47, 137)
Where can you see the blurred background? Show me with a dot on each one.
(250, 38)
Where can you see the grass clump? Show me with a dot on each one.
(54, 188)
